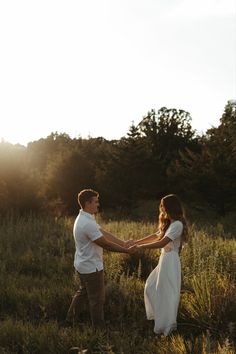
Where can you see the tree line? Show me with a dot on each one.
(162, 154)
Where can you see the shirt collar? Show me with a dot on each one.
(88, 215)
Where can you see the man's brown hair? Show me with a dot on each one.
(86, 195)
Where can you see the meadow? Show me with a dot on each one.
(37, 282)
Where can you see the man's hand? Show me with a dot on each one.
(129, 243)
(132, 249)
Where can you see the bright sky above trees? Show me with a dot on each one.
(92, 67)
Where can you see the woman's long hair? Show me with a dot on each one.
(171, 209)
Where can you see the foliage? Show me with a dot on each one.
(160, 155)
(209, 174)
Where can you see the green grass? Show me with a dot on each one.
(37, 283)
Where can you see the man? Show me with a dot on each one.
(90, 240)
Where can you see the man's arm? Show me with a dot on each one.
(112, 238)
(105, 243)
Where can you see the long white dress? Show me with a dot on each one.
(162, 288)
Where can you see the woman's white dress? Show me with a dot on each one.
(162, 288)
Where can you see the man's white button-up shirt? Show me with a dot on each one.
(88, 255)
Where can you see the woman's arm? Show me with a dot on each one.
(147, 239)
(180, 247)
(156, 244)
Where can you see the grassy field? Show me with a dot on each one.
(37, 283)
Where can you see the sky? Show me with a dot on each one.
(91, 68)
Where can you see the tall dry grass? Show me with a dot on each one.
(37, 282)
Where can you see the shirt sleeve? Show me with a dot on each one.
(93, 231)
(174, 230)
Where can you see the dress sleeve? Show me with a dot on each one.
(93, 231)
(174, 230)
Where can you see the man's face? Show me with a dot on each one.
(93, 205)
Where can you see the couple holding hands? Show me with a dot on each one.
(162, 288)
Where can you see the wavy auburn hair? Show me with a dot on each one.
(171, 209)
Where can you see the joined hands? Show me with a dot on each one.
(131, 246)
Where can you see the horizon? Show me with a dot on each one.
(25, 143)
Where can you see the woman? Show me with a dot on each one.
(162, 288)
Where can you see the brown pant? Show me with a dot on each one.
(92, 290)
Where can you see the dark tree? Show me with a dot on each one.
(210, 175)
